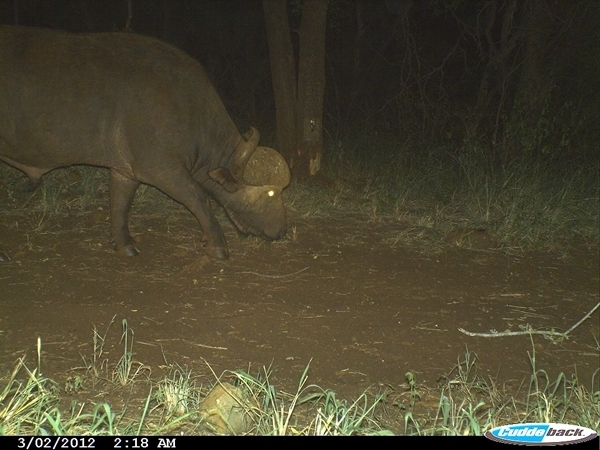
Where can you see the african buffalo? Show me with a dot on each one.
(149, 113)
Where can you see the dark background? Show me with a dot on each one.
(429, 72)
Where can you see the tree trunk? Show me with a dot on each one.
(311, 86)
(283, 75)
(355, 82)
(299, 108)
(129, 15)
(535, 81)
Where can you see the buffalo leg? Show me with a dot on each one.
(188, 192)
(121, 191)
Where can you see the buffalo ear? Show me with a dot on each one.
(225, 178)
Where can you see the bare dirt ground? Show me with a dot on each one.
(334, 292)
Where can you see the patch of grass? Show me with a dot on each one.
(24, 403)
(467, 404)
(531, 202)
(562, 400)
(95, 365)
(69, 191)
(524, 204)
(127, 369)
(463, 404)
(74, 190)
(311, 410)
(177, 392)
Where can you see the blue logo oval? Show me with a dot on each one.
(541, 434)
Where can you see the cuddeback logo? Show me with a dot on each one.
(541, 434)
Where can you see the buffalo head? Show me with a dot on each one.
(249, 188)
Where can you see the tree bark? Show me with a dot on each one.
(283, 75)
(129, 15)
(311, 86)
(299, 106)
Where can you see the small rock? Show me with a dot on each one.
(227, 410)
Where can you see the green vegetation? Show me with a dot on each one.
(442, 197)
(177, 403)
(470, 405)
(439, 198)
(490, 144)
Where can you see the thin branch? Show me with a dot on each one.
(564, 335)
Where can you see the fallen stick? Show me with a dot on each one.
(564, 335)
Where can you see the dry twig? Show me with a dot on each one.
(564, 335)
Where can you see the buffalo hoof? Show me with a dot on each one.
(217, 252)
(128, 250)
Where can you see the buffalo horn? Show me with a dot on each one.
(244, 150)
